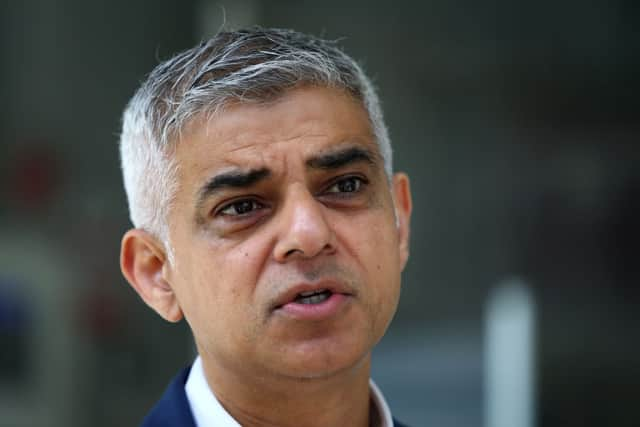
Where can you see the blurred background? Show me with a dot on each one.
(517, 121)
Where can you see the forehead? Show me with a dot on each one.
(303, 122)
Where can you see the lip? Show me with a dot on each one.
(286, 304)
(290, 294)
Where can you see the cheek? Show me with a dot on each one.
(229, 275)
(372, 241)
(370, 238)
(220, 296)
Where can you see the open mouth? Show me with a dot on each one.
(304, 303)
(313, 297)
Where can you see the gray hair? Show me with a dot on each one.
(254, 65)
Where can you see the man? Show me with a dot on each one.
(258, 173)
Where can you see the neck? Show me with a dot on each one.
(338, 399)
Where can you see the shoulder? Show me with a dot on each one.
(173, 407)
(397, 423)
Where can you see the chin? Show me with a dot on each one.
(324, 362)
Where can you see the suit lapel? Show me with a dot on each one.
(173, 409)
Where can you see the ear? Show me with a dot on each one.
(403, 207)
(142, 259)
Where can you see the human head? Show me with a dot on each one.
(247, 66)
(288, 231)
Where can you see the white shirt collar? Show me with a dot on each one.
(208, 412)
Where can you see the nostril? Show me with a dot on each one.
(292, 251)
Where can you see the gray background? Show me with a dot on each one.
(517, 122)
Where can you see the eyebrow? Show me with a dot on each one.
(231, 179)
(239, 179)
(340, 158)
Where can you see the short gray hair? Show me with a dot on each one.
(252, 66)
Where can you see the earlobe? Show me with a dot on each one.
(142, 259)
(403, 207)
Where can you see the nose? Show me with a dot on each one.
(304, 229)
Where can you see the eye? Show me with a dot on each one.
(240, 207)
(351, 184)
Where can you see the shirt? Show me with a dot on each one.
(208, 412)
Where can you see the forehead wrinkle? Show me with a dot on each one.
(260, 142)
(279, 130)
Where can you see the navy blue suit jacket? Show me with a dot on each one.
(173, 409)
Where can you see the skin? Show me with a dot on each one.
(238, 249)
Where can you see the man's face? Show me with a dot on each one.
(287, 249)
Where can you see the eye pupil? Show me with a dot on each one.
(243, 206)
(348, 185)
